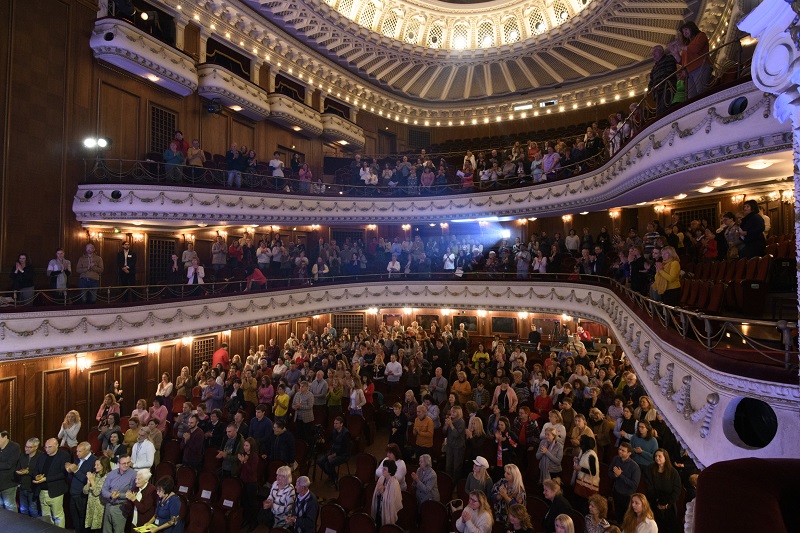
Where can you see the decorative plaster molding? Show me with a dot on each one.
(217, 82)
(122, 44)
(336, 128)
(293, 114)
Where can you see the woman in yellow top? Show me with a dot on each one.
(479, 355)
(461, 388)
(668, 277)
(281, 407)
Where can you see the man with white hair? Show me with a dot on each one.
(78, 471)
(143, 497)
(306, 507)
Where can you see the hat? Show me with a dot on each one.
(480, 461)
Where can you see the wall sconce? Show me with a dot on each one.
(613, 214)
(407, 310)
(153, 348)
(314, 227)
(523, 315)
(659, 209)
(774, 196)
(138, 237)
(227, 333)
(522, 221)
(82, 362)
(372, 311)
(787, 196)
(446, 312)
(481, 313)
(738, 198)
(567, 219)
(276, 228)
(406, 227)
(187, 341)
(93, 235)
(444, 225)
(188, 238)
(565, 317)
(316, 317)
(372, 227)
(222, 233)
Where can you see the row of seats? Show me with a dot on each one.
(734, 283)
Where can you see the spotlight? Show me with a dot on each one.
(88, 194)
(90, 142)
(116, 195)
(102, 143)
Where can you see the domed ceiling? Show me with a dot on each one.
(436, 51)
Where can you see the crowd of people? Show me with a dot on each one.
(501, 418)
(258, 262)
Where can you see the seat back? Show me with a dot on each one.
(715, 298)
(171, 451)
(272, 470)
(165, 469)
(741, 265)
(702, 294)
(445, 483)
(185, 479)
(360, 522)
(230, 493)
(333, 518)
(434, 516)
(365, 467)
(350, 488)
(705, 270)
(762, 271)
(408, 514)
(210, 461)
(693, 290)
(206, 487)
(199, 518)
(177, 404)
(369, 490)
(94, 440)
(730, 271)
(752, 266)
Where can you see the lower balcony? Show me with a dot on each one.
(698, 391)
(342, 131)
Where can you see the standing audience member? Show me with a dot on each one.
(94, 485)
(58, 270)
(455, 449)
(425, 481)
(663, 490)
(507, 492)
(248, 474)
(625, 474)
(28, 500)
(558, 506)
(50, 478)
(387, 499)
(306, 508)
(9, 459)
(89, 269)
(476, 516)
(79, 472)
(639, 517)
(695, 59)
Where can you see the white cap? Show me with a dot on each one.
(480, 461)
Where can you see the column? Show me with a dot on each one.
(203, 45)
(255, 70)
(180, 27)
(271, 84)
(322, 96)
(776, 70)
(353, 114)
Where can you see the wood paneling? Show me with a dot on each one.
(282, 330)
(132, 380)
(8, 406)
(244, 134)
(118, 118)
(55, 400)
(167, 361)
(97, 382)
(216, 135)
(300, 326)
(191, 40)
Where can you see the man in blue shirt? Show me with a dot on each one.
(261, 429)
(213, 394)
(292, 376)
(117, 484)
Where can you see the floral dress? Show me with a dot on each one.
(94, 507)
(500, 505)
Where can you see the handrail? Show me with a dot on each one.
(684, 321)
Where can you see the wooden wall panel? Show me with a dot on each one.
(97, 382)
(55, 400)
(167, 362)
(132, 379)
(244, 134)
(118, 118)
(216, 135)
(8, 403)
(282, 330)
(300, 326)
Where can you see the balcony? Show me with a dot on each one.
(680, 153)
(295, 116)
(696, 389)
(342, 131)
(123, 45)
(217, 83)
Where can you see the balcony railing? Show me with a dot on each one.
(736, 343)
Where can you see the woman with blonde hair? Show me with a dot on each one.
(667, 282)
(387, 500)
(558, 506)
(69, 429)
(357, 397)
(507, 492)
(281, 498)
(184, 383)
(557, 424)
(480, 479)
(639, 516)
(455, 433)
(477, 515)
(476, 437)
(564, 524)
(549, 454)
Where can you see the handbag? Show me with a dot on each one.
(584, 489)
(455, 506)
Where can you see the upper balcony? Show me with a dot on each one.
(122, 44)
(677, 154)
(696, 384)
(218, 83)
(342, 131)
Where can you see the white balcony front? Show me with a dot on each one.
(295, 116)
(233, 92)
(337, 129)
(123, 45)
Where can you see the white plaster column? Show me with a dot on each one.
(180, 28)
(204, 36)
(271, 81)
(322, 96)
(776, 70)
(255, 70)
(353, 114)
(309, 95)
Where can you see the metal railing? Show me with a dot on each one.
(709, 331)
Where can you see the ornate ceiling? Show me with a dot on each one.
(441, 52)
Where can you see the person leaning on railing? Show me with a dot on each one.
(668, 277)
